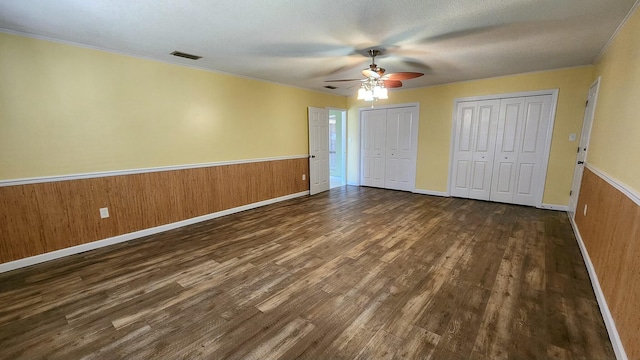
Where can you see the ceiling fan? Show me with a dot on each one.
(377, 74)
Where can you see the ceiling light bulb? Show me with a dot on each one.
(368, 96)
(383, 94)
(361, 93)
(376, 91)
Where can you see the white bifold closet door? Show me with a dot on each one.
(499, 149)
(389, 142)
(374, 127)
(474, 147)
(519, 155)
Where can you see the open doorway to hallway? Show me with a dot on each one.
(337, 147)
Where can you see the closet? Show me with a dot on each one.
(500, 149)
(389, 140)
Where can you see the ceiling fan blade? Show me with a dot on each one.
(392, 83)
(306, 50)
(344, 68)
(403, 75)
(461, 34)
(342, 80)
(370, 73)
(417, 64)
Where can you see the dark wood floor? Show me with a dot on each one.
(352, 273)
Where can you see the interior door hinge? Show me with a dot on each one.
(570, 192)
(578, 149)
(586, 104)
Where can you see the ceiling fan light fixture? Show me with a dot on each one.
(369, 96)
(372, 89)
(361, 93)
(383, 94)
(374, 86)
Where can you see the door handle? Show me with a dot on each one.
(313, 156)
(580, 162)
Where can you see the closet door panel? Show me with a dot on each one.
(525, 180)
(373, 148)
(466, 116)
(507, 149)
(502, 180)
(480, 173)
(531, 152)
(400, 161)
(484, 140)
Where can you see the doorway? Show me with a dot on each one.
(337, 147)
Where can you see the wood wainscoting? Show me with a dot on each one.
(44, 217)
(611, 234)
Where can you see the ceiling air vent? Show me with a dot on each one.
(185, 55)
(331, 87)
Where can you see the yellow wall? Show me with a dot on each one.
(436, 118)
(66, 109)
(615, 137)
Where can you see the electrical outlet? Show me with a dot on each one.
(585, 210)
(304, 177)
(104, 213)
(572, 137)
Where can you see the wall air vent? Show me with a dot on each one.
(185, 55)
(330, 87)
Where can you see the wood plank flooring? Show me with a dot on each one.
(353, 273)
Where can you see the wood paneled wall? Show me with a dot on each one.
(611, 233)
(44, 217)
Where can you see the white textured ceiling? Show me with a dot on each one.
(305, 42)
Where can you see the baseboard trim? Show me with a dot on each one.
(554, 207)
(45, 179)
(17, 264)
(431, 192)
(602, 302)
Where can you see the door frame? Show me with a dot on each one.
(572, 209)
(416, 137)
(344, 155)
(547, 149)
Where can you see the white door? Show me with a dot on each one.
(474, 146)
(318, 150)
(520, 149)
(583, 146)
(373, 128)
(528, 182)
(401, 138)
(507, 146)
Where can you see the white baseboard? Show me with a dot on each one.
(555, 207)
(431, 192)
(602, 302)
(137, 234)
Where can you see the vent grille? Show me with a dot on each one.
(331, 87)
(185, 55)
